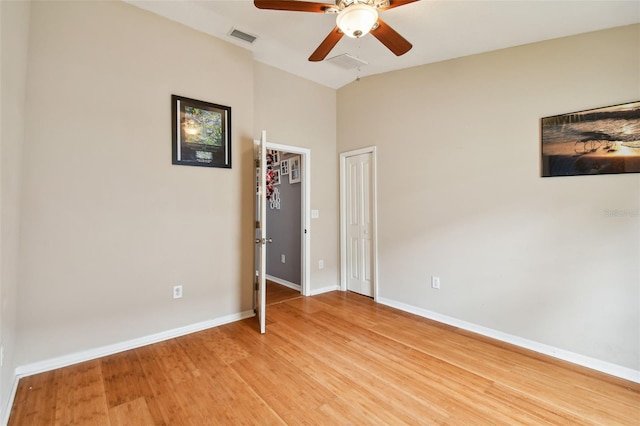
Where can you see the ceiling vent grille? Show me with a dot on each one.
(241, 35)
(347, 61)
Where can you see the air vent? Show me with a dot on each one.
(347, 61)
(241, 35)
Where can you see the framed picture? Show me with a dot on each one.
(592, 142)
(276, 176)
(273, 157)
(201, 133)
(284, 167)
(294, 169)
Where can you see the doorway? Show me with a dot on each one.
(287, 221)
(358, 218)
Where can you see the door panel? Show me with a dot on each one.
(260, 228)
(358, 211)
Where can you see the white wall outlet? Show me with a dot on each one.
(315, 214)
(282, 258)
(320, 264)
(435, 282)
(177, 291)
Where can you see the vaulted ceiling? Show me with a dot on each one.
(438, 30)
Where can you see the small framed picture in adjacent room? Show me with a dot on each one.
(284, 167)
(294, 169)
(273, 157)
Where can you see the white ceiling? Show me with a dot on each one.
(438, 30)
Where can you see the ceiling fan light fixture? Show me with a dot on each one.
(357, 20)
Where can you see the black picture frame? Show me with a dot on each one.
(201, 133)
(592, 142)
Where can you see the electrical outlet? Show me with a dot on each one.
(320, 264)
(177, 291)
(435, 282)
(282, 258)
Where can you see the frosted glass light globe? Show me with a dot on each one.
(357, 20)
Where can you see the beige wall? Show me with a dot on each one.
(109, 225)
(298, 112)
(14, 24)
(460, 194)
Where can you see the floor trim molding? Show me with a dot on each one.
(82, 356)
(6, 410)
(285, 283)
(572, 357)
(324, 290)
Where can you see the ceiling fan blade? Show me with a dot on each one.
(292, 5)
(396, 3)
(327, 44)
(390, 38)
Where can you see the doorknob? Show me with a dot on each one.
(264, 240)
(269, 240)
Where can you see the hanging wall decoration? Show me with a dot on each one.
(592, 142)
(274, 201)
(294, 169)
(284, 167)
(201, 133)
(272, 172)
(269, 183)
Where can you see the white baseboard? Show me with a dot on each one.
(572, 357)
(75, 358)
(285, 283)
(6, 409)
(324, 290)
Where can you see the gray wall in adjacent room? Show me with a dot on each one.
(283, 226)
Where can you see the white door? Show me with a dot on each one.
(358, 200)
(260, 228)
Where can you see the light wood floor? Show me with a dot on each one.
(277, 293)
(333, 359)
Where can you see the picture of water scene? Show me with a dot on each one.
(598, 141)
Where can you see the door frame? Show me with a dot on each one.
(305, 210)
(374, 219)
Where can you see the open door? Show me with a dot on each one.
(260, 228)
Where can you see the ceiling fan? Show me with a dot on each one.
(356, 18)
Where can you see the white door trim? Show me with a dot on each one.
(305, 212)
(343, 218)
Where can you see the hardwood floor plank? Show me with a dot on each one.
(219, 343)
(35, 401)
(277, 293)
(338, 371)
(290, 392)
(436, 389)
(228, 398)
(336, 358)
(124, 378)
(171, 389)
(134, 412)
(80, 395)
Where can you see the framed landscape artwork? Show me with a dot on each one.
(597, 141)
(201, 134)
